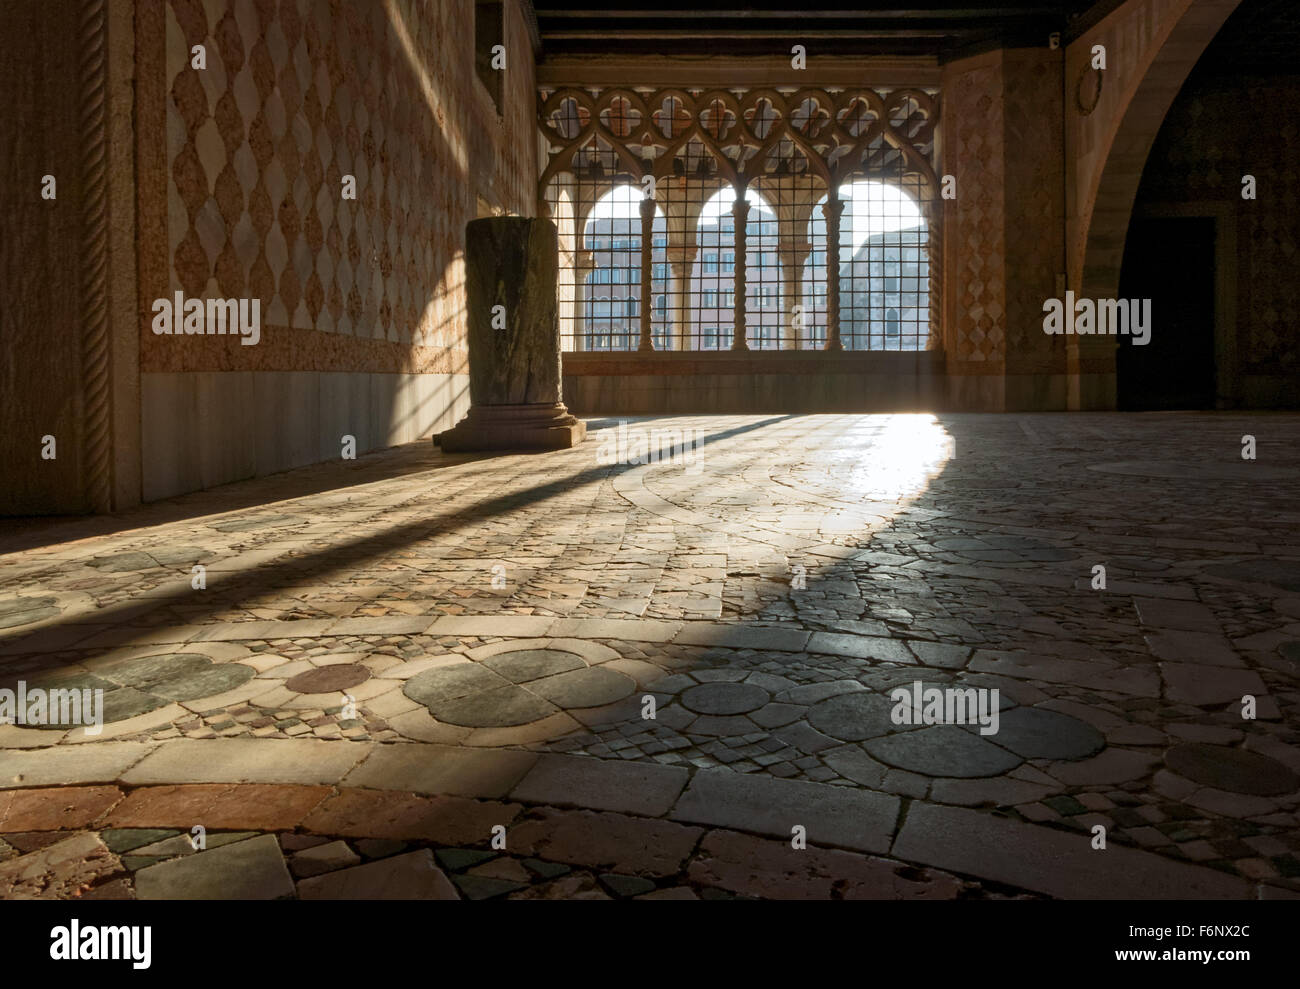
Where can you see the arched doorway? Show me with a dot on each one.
(1214, 240)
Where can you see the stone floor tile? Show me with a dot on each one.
(771, 869)
(58, 871)
(70, 765)
(1193, 647)
(742, 637)
(252, 869)
(318, 859)
(408, 816)
(633, 788)
(847, 818)
(861, 647)
(412, 876)
(1166, 614)
(611, 842)
(253, 807)
(246, 761)
(55, 809)
(1048, 861)
(432, 769)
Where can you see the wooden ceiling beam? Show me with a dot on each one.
(640, 34)
(795, 13)
(721, 71)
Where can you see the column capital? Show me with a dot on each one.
(681, 255)
(799, 248)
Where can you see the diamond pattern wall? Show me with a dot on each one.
(297, 94)
(1034, 204)
(974, 268)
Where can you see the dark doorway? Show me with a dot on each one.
(1170, 260)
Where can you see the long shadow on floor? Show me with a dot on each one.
(228, 591)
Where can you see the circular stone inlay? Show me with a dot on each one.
(500, 707)
(328, 679)
(1038, 734)
(127, 702)
(152, 669)
(943, 750)
(137, 686)
(216, 679)
(584, 688)
(176, 676)
(533, 664)
(473, 696)
(854, 716)
(1234, 770)
(724, 698)
(444, 683)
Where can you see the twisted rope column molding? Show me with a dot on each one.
(740, 221)
(834, 210)
(647, 238)
(92, 45)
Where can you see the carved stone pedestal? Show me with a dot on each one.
(514, 341)
(515, 427)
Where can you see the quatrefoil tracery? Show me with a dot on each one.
(746, 135)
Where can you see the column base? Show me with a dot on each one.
(547, 426)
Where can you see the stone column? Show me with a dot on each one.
(834, 207)
(514, 340)
(647, 252)
(582, 266)
(791, 292)
(682, 259)
(740, 218)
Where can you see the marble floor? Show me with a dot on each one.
(553, 675)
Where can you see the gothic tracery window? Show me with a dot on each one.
(741, 182)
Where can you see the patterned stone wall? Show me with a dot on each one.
(1005, 245)
(1035, 204)
(241, 166)
(974, 223)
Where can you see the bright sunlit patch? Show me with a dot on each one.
(874, 208)
(897, 458)
(623, 202)
(721, 203)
